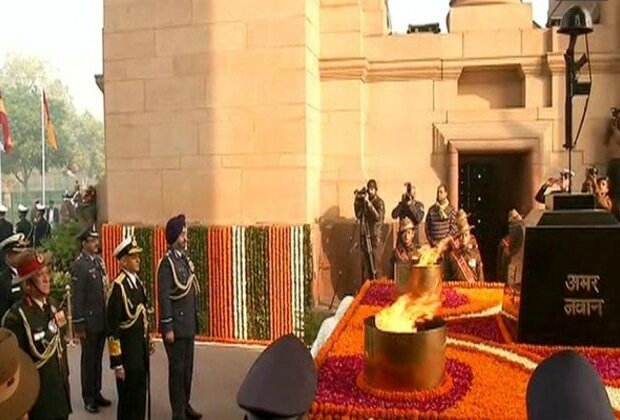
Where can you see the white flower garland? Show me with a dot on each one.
(297, 280)
(239, 284)
(486, 312)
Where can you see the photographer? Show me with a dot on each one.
(370, 212)
(555, 185)
(411, 209)
(589, 185)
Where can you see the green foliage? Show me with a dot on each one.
(198, 254)
(312, 324)
(60, 281)
(79, 136)
(144, 237)
(63, 246)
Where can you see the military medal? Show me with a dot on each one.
(61, 321)
(52, 326)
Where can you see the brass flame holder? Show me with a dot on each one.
(405, 361)
(417, 280)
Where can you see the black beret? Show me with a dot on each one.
(566, 386)
(174, 227)
(282, 382)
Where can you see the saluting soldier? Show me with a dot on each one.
(6, 227)
(36, 321)
(128, 334)
(89, 282)
(178, 286)
(10, 291)
(23, 225)
(42, 228)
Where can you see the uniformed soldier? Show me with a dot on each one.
(42, 228)
(128, 334)
(6, 227)
(178, 286)
(463, 261)
(10, 291)
(89, 281)
(281, 384)
(509, 245)
(36, 321)
(18, 378)
(23, 225)
(405, 250)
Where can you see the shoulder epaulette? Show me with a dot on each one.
(119, 279)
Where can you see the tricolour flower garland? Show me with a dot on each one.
(256, 282)
(197, 252)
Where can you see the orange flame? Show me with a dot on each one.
(430, 256)
(406, 312)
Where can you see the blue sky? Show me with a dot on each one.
(67, 34)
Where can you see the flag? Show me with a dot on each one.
(49, 127)
(7, 142)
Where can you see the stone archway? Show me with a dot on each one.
(532, 138)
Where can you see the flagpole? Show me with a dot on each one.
(42, 149)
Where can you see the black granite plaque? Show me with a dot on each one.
(564, 288)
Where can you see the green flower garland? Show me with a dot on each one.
(308, 278)
(257, 283)
(145, 238)
(198, 254)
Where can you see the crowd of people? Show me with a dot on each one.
(116, 312)
(445, 228)
(448, 229)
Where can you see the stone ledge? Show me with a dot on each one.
(361, 68)
(600, 62)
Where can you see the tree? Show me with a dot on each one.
(79, 136)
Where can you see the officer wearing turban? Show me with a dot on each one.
(178, 317)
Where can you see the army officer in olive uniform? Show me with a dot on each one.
(128, 334)
(89, 281)
(36, 321)
(178, 286)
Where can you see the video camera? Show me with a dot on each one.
(408, 195)
(361, 194)
(593, 171)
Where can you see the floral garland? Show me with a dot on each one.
(308, 278)
(256, 282)
(257, 290)
(476, 344)
(197, 252)
(144, 237)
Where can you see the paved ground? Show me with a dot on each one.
(218, 372)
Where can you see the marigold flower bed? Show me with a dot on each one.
(486, 373)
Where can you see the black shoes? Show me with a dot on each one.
(192, 414)
(102, 402)
(91, 408)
